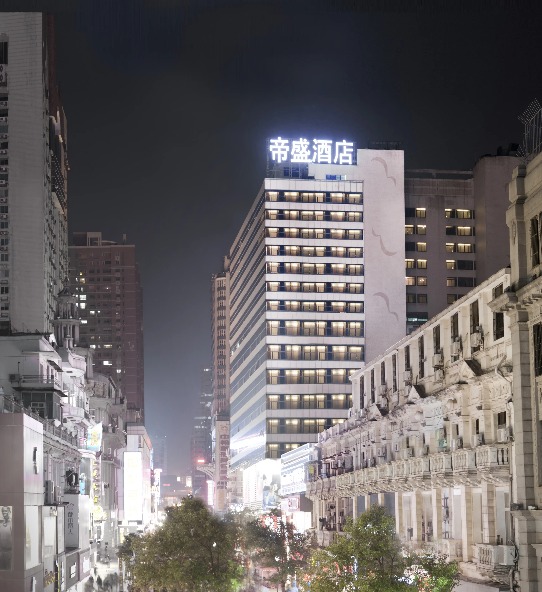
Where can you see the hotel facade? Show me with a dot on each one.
(308, 302)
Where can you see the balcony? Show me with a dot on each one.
(462, 467)
(494, 560)
(34, 382)
(8, 405)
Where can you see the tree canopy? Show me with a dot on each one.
(276, 545)
(369, 558)
(193, 551)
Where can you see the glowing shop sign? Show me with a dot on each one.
(319, 151)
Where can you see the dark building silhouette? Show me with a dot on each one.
(104, 277)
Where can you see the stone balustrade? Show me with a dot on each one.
(486, 555)
(489, 462)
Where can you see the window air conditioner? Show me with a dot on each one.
(503, 435)
(507, 555)
(456, 348)
(476, 339)
(49, 493)
(478, 440)
(438, 360)
(457, 443)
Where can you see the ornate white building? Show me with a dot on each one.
(431, 437)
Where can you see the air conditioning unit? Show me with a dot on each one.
(381, 402)
(507, 555)
(503, 435)
(476, 339)
(50, 497)
(457, 443)
(407, 376)
(478, 440)
(382, 390)
(439, 375)
(407, 453)
(438, 360)
(456, 348)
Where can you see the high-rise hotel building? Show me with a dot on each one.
(33, 176)
(316, 282)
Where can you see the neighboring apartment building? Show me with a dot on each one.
(308, 301)
(33, 175)
(104, 277)
(454, 228)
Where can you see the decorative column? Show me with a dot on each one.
(466, 521)
(488, 513)
(436, 502)
(417, 517)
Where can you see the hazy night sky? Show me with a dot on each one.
(169, 105)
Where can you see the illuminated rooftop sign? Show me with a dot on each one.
(317, 151)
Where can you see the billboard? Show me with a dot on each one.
(94, 437)
(133, 486)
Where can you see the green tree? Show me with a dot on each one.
(369, 558)
(275, 544)
(193, 551)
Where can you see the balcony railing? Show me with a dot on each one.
(8, 405)
(490, 462)
(34, 381)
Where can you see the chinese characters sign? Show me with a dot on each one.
(317, 151)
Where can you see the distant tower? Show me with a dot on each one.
(67, 321)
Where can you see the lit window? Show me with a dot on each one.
(82, 305)
(422, 264)
(409, 229)
(450, 264)
(410, 281)
(84, 321)
(421, 280)
(409, 263)
(450, 247)
(421, 229)
(82, 297)
(92, 312)
(420, 212)
(93, 346)
(451, 282)
(421, 247)
(119, 370)
(448, 213)
(465, 248)
(465, 230)
(464, 214)
(107, 363)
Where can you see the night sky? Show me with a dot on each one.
(169, 105)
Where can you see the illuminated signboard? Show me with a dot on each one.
(312, 151)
